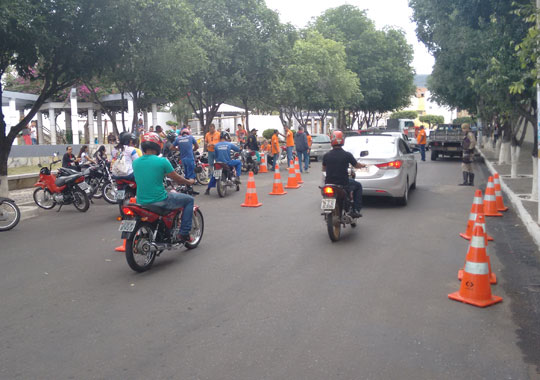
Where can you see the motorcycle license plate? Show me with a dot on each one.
(328, 204)
(83, 186)
(127, 225)
(217, 174)
(120, 195)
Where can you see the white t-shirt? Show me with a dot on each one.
(131, 155)
(84, 159)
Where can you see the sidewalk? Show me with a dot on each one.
(518, 190)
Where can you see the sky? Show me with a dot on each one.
(383, 12)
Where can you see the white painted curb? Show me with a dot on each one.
(526, 218)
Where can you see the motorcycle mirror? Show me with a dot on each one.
(39, 165)
(364, 153)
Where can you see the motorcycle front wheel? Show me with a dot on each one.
(221, 186)
(333, 223)
(44, 198)
(109, 193)
(97, 187)
(140, 254)
(80, 200)
(203, 178)
(9, 215)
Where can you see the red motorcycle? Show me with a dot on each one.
(67, 188)
(149, 230)
(125, 190)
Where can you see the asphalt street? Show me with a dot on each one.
(266, 295)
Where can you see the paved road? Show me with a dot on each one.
(268, 296)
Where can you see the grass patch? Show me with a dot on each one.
(29, 169)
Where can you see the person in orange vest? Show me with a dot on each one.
(421, 139)
(274, 148)
(309, 142)
(289, 142)
(211, 139)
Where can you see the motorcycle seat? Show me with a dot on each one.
(155, 209)
(61, 181)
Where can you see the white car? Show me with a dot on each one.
(391, 165)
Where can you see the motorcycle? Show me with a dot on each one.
(202, 171)
(125, 190)
(9, 214)
(336, 205)
(225, 177)
(249, 161)
(97, 177)
(67, 188)
(149, 230)
(176, 162)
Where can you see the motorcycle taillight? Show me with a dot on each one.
(218, 166)
(252, 153)
(328, 191)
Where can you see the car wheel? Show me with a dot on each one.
(402, 201)
(413, 185)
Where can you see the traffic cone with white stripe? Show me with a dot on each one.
(263, 168)
(292, 183)
(481, 221)
(277, 189)
(475, 288)
(498, 193)
(476, 208)
(251, 193)
(490, 202)
(297, 171)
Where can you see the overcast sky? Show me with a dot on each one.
(383, 12)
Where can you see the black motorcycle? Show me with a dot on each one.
(225, 177)
(249, 161)
(9, 214)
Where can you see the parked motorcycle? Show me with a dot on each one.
(249, 161)
(9, 214)
(202, 170)
(225, 177)
(149, 230)
(63, 190)
(97, 177)
(176, 162)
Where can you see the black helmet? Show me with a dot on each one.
(225, 136)
(126, 138)
(171, 136)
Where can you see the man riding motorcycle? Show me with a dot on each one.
(223, 154)
(336, 165)
(149, 171)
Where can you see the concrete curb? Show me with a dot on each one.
(28, 212)
(526, 218)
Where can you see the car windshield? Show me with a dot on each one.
(377, 146)
(321, 139)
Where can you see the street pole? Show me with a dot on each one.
(538, 117)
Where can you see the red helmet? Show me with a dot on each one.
(186, 131)
(151, 141)
(336, 138)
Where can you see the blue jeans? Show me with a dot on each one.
(238, 165)
(289, 155)
(189, 167)
(175, 201)
(303, 158)
(275, 161)
(423, 151)
(356, 189)
(211, 160)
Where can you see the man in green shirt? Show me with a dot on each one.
(149, 171)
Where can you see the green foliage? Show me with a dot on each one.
(171, 123)
(463, 120)
(267, 134)
(404, 115)
(432, 119)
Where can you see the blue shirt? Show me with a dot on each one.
(223, 151)
(185, 145)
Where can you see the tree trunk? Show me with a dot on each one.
(5, 148)
(534, 190)
(246, 109)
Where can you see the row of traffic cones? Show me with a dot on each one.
(476, 275)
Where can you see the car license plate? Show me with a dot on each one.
(127, 225)
(120, 195)
(328, 204)
(217, 174)
(364, 169)
(83, 186)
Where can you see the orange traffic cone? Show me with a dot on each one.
(292, 183)
(475, 288)
(251, 194)
(476, 208)
(498, 193)
(121, 248)
(263, 168)
(278, 186)
(480, 221)
(490, 203)
(297, 171)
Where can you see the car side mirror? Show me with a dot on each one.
(364, 153)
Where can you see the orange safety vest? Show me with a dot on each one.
(421, 139)
(212, 139)
(309, 140)
(275, 144)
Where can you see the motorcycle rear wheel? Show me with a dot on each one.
(333, 224)
(80, 200)
(221, 187)
(109, 193)
(203, 178)
(140, 254)
(9, 215)
(44, 198)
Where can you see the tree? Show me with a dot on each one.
(58, 43)
(432, 119)
(404, 115)
(382, 60)
(463, 120)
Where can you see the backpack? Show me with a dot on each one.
(120, 167)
